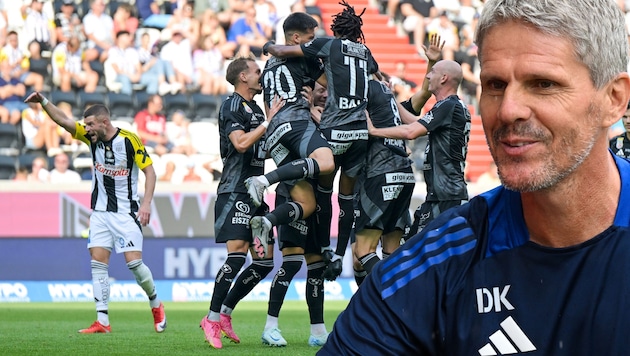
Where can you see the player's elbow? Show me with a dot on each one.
(240, 148)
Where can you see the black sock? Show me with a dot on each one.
(369, 261)
(323, 215)
(346, 221)
(298, 169)
(285, 213)
(254, 273)
(225, 276)
(359, 276)
(315, 291)
(290, 266)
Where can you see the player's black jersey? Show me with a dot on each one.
(448, 123)
(285, 77)
(471, 283)
(239, 114)
(620, 145)
(384, 154)
(348, 65)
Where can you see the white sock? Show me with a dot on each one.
(214, 316)
(272, 322)
(226, 310)
(100, 288)
(103, 318)
(318, 329)
(144, 278)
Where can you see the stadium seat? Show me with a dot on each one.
(124, 124)
(26, 159)
(174, 103)
(204, 136)
(87, 99)
(7, 166)
(121, 106)
(70, 97)
(205, 107)
(10, 140)
(140, 100)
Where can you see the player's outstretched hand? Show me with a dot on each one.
(276, 104)
(34, 97)
(436, 45)
(307, 94)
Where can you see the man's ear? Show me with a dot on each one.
(617, 97)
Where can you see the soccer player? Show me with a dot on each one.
(387, 183)
(117, 215)
(539, 265)
(382, 204)
(295, 143)
(347, 64)
(620, 145)
(295, 240)
(448, 126)
(242, 125)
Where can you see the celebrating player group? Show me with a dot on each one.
(355, 134)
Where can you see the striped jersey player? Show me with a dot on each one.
(117, 214)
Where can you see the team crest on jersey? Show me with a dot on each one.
(619, 144)
(109, 156)
(247, 108)
(119, 147)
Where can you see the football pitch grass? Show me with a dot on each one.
(51, 329)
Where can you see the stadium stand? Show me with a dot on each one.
(121, 106)
(8, 166)
(174, 103)
(10, 141)
(205, 107)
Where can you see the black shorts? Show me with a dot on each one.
(300, 233)
(294, 140)
(232, 213)
(349, 144)
(383, 201)
(428, 211)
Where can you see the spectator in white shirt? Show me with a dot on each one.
(125, 62)
(38, 27)
(98, 27)
(62, 173)
(178, 52)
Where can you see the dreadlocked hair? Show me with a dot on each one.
(347, 24)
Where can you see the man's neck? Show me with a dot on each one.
(554, 222)
(246, 93)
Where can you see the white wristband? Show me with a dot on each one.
(44, 102)
(265, 124)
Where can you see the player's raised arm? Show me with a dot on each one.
(53, 111)
(282, 50)
(433, 53)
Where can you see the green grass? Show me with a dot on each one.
(51, 329)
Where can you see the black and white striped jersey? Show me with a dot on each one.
(115, 177)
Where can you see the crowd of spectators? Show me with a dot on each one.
(144, 49)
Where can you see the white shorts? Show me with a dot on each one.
(108, 230)
(410, 22)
